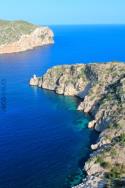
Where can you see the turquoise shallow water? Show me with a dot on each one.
(43, 139)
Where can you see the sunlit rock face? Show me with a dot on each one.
(20, 36)
(102, 90)
(101, 86)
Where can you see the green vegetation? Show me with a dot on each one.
(114, 74)
(114, 176)
(82, 73)
(114, 126)
(121, 139)
(113, 152)
(100, 160)
(11, 31)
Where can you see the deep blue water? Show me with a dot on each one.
(43, 139)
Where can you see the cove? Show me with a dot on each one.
(44, 140)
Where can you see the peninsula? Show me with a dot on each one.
(19, 36)
(101, 86)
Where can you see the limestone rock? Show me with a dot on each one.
(34, 81)
(102, 89)
(20, 36)
(94, 146)
(92, 124)
(101, 86)
(70, 90)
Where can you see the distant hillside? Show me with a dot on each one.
(16, 36)
(10, 31)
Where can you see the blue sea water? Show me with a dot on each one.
(43, 139)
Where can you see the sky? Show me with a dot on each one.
(48, 12)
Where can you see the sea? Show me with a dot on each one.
(44, 140)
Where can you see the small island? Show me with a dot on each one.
(19, 36)
(101, 86)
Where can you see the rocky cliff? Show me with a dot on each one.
(102, 89)
(18, 36)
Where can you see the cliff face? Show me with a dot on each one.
(102, 89)
(20, 36)
(102, 86)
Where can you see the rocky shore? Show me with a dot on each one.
(102, 90)
(19, 36)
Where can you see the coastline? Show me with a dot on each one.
(20, 36)
(27, 50)
(97, 78)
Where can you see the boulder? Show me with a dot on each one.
(92, 124)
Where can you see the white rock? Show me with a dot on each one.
(34, 81)
(92, 124)
(94, 146)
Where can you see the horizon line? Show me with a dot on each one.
(85, 24)
(59, 24)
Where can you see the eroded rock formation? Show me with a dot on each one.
(102, 89)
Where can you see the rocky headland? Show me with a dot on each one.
(19, 36)
(101, 88)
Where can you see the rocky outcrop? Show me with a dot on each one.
(106, 165)
(102, 89)
(20, 36)
(101, 86)
(67, 80)
(34, 81)
(92, 124)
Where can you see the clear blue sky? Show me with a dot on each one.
(65, 11)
